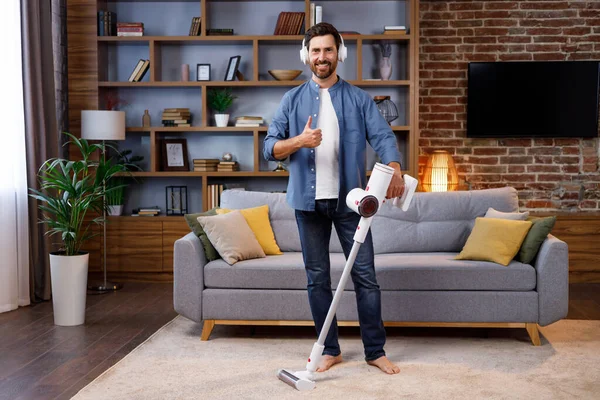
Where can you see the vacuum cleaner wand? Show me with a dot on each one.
(366, 203)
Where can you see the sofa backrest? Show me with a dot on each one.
(434, 221)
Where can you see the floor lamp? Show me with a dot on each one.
(103, 125)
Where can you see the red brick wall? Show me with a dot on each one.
(548, 173)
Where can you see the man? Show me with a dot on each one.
(323, 126)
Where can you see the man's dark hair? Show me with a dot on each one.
(322, 29)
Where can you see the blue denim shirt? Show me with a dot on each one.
(359, 121)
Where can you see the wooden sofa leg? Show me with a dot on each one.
(532, 330)
(209, 324)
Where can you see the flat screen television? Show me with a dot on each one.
(533, 99)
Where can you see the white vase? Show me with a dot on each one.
(115, 211)
(385, 68)
(68, 275)
(221, 120)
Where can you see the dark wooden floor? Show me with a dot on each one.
(39, 360)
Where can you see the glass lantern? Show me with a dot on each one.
(386, 107)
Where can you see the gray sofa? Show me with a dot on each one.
(421, 283)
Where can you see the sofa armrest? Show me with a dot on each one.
(188, 276)
(552, 274)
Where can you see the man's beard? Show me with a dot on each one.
(325, 74)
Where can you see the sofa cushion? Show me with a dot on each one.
(494, 239)
(258, 220)
(517, 216)
(535, 237)
(192, 221)
(413, 271)
(232, 237)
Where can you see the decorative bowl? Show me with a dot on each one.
(285, 74)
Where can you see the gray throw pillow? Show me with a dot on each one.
(517, 216)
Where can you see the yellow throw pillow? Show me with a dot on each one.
(494, 239)
(258, 220)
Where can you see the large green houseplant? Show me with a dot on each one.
(219, 100)
(71, 190)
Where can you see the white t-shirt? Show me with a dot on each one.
(326, 154)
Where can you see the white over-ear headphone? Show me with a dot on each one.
(342, 52)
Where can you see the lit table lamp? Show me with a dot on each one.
(103, 125)
(440, 173)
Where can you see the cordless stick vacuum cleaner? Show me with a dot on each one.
(366, 203)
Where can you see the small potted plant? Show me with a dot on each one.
(68, 191)
(219, 100)
(115, 187)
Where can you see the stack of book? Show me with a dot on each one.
(205, 164)
(289, 23)
(130, 29)
(394, 30)
(195, 26)
(228, 166)
(248, 120)
(139, 71)
(146, 212)
(107, 23)
(176, 117)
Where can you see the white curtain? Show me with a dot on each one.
(14, 235)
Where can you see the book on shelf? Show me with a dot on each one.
(142, 72)
(180, 117)
(228, 166)
(136, 69)
(130, 24)
(146, 212)
(394, 29)
(205, 164)
(213, 196)
(195, 26)
(248, 121)
(248, 117)
(129, 34)
(130, 28)
(289, 23)
(318, 14)
(219, 31)
(107, 23)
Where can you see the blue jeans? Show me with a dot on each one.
(315, 232)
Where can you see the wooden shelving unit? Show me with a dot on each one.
(89, 80)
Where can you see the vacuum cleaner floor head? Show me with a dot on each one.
(300, 380)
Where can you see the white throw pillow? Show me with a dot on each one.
(232, 237)
(516, 216)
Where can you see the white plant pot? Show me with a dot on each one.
(69, 288)
(222, 120)
(115, 210)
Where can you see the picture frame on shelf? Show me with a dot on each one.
(174, 155)
(232, 67)
(203, 72)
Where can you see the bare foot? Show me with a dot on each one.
(384, 364)
(328, 361)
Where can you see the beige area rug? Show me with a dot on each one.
(234, 364)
